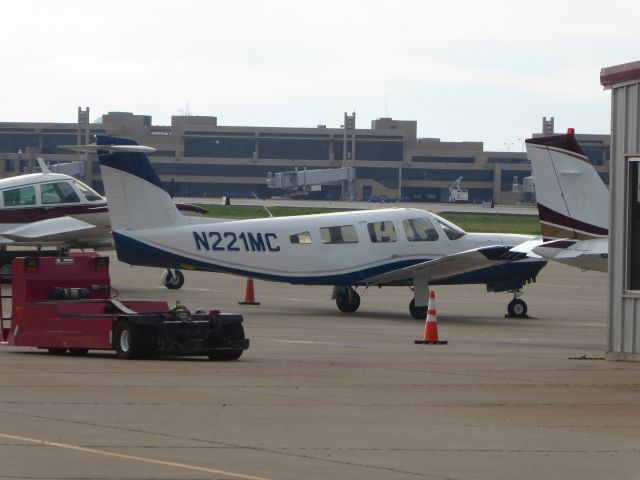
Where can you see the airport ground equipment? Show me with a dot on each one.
(457, 194)
(64, 305)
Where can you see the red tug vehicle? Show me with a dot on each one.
(65, 305)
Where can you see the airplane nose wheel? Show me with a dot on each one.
(172, 278)
(517, 308)
(347, 300)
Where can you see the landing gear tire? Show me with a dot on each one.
(419, 313)
(348, 300)
(172, 278)
(517, 308)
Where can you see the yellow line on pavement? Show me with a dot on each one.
(130, 457)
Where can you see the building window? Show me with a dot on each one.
(218, 147)
(441, 159)
(294, 149)
(9, 165)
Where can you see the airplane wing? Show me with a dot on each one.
(591, 254)
(454, 264)
(50, 230)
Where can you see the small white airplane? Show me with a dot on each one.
(397, 246)
(573, 203)
(49, 209)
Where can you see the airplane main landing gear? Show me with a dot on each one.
(172, 278)
(517, 307)
(419, 313)
(347, 299)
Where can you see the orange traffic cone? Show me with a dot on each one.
(249, 297)
(431, 325)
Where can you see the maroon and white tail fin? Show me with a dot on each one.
(573, 201)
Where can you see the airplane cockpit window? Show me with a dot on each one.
(302, 237)
(420, 230)
(58, 192)
(341, 234)
(381, 232)
(453, 232)
(17, 197)
(89, 193)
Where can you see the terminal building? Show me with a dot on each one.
(197, 157)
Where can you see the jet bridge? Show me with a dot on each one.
(309, 180)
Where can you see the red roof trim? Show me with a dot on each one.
(619, 73)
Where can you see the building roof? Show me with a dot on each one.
(619, 73)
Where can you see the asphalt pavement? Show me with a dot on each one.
(321, 394)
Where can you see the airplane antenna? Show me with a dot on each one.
(43, 165)
(262, 205)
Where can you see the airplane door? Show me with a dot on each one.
(384, 239)
(422, 236)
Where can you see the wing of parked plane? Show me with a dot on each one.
(453, 264)
(50, 230)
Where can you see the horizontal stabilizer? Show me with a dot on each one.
(93, 148)
(589, 254)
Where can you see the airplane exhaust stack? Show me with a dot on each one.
(249, 296)
(431, 324)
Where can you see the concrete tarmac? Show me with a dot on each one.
(321, 394)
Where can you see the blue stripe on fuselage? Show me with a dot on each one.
(135, 252)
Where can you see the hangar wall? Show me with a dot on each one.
(624, 242)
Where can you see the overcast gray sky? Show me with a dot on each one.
(465, 70)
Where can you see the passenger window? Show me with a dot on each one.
(420, 230)
(302, 237)
(341, 234)
(59, 192)
(19, 196)
(381, 232)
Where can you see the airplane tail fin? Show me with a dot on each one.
(137, 199)
(573, 201)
